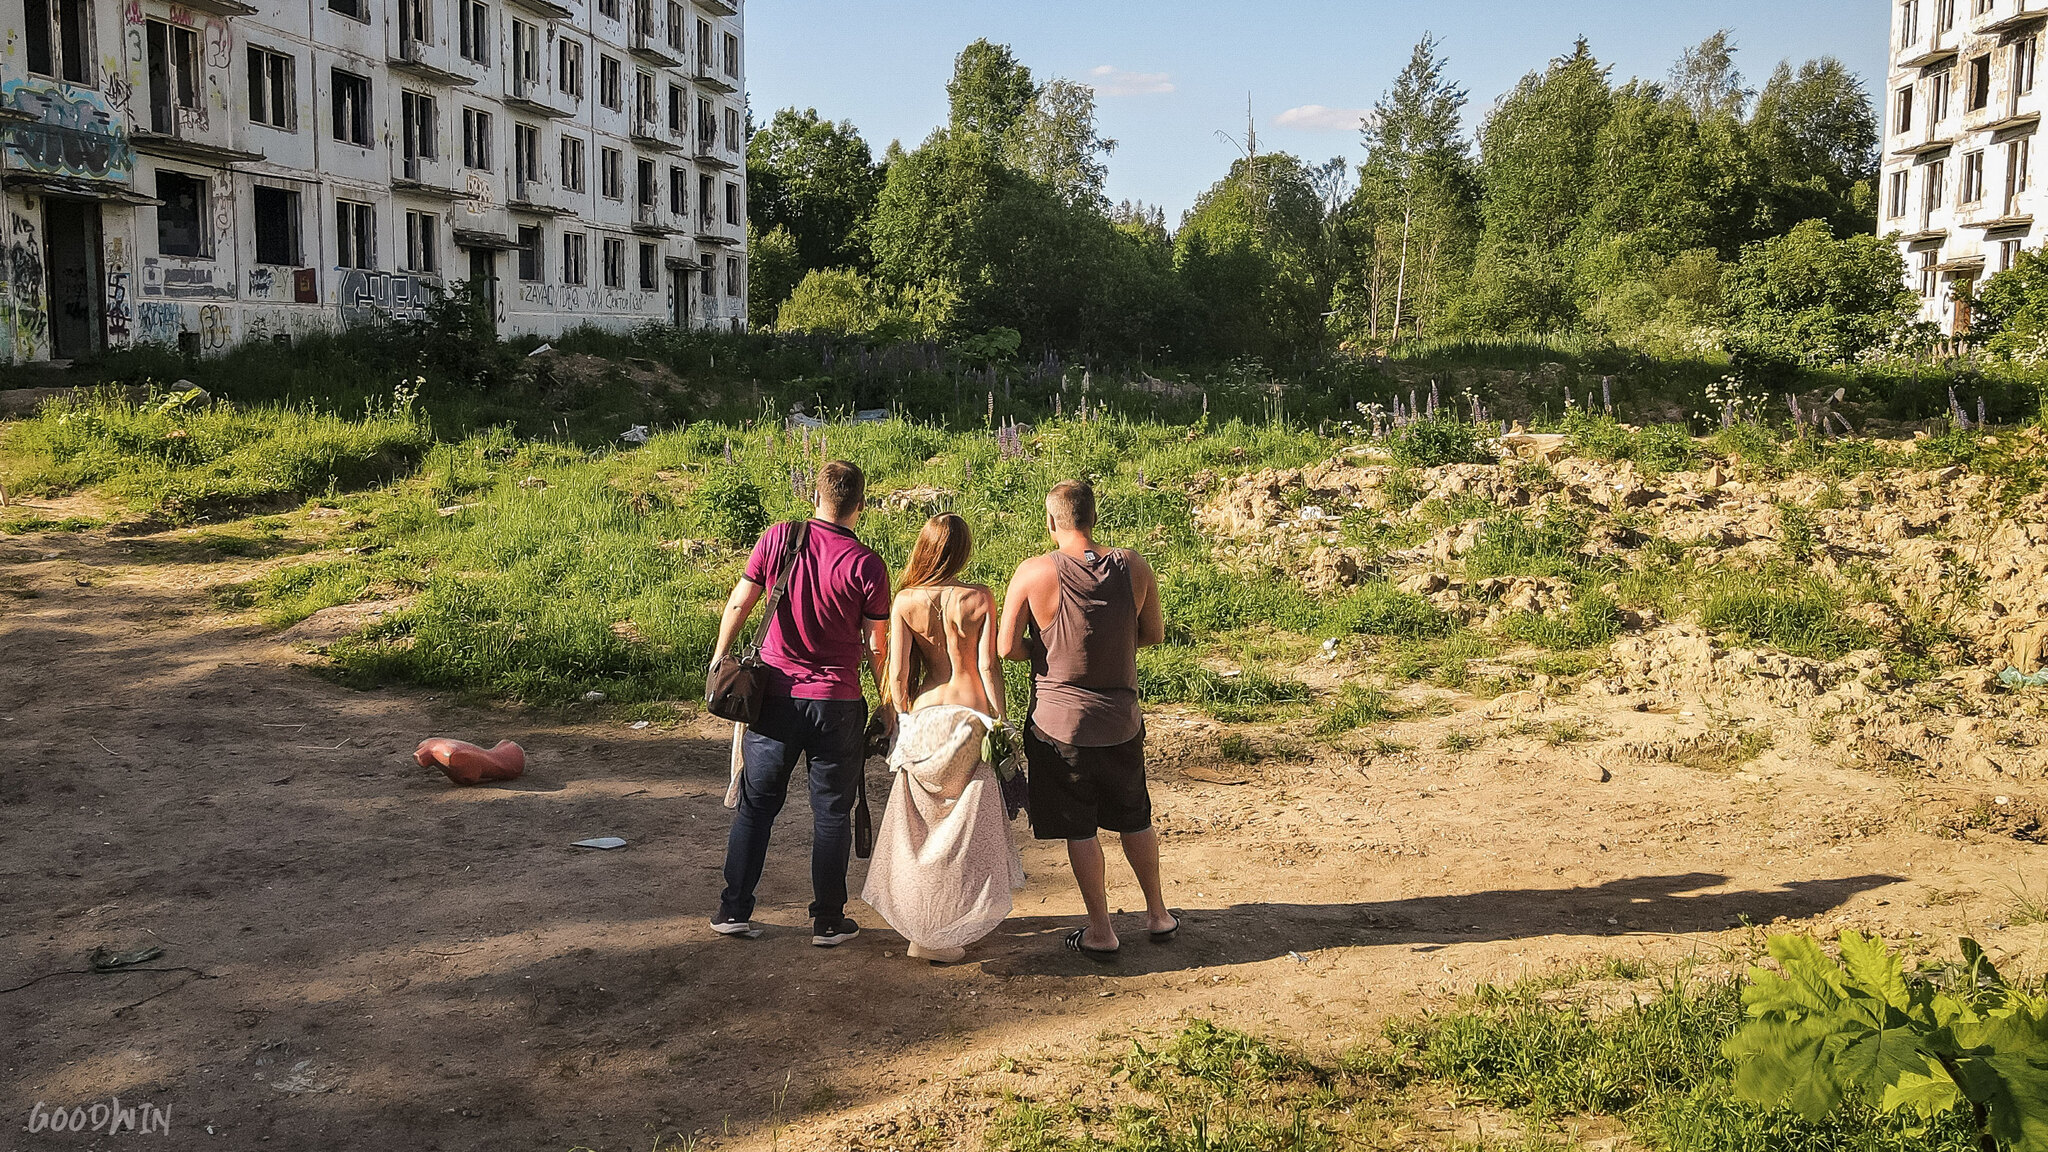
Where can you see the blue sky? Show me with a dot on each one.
(1169, 75)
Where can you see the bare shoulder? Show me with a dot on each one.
(1036, 568)
(1138, 564)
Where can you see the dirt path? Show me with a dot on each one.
(359, 956)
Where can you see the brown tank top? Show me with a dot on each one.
(1084, 662)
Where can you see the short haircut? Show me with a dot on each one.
(842, 487)
(1072, 504)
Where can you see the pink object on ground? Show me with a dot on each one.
(465, 763)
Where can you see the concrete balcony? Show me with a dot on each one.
(537, 198)
(651, 133)
(428, 176)
(544, 8)
(706, 74)
(720, 7)
(715, 233)
(650, 220)
(649, 41)
(2016, 13)
(538, 97)
(432, 62)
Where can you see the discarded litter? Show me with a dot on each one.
(593, 697)
(603, 843)
(106, 959)
(637, 434)
(2014, 678)
(871, 415)
(637, 725)
(541, 349)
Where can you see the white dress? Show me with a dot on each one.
(944, 863)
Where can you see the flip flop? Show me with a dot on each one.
(1170, 933)
(1103, 955)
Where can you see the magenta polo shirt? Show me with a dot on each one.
(813, 649)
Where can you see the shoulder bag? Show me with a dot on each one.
(739, 681)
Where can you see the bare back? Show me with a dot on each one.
(942, 647)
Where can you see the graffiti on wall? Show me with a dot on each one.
(30, 324)
(73, 131)
(570, 298)
(260, 280)
(181, 280)
(118, 315)
(216, 328)
(366, 296)
(158, 323)
(478, 195)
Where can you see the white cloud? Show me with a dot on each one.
(1316, 118)
(1112, 81)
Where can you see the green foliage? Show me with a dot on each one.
(1377, 608)
(815, 182)
(1657, 448)
(2012, 308)
(1171, 675)
(774, 269)
(1358, 706)
(181, 462)
(1435, 442)
(728, 508)
(1591, 622)
(1515, 545)
(1801, 617)
(1797, 535)
(842, 302)
(1815, 299)
(1824, 1033)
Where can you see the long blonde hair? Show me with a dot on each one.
(941, 551)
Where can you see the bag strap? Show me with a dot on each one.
(799, 535)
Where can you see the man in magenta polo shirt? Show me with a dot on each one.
(837, 600)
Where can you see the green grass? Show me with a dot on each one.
(1543, 1051)
(1803, 618)
(181, 463)
(1358, 706)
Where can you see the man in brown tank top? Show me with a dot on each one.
(1078, 615)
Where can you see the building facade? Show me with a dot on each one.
(211, 171)
(1959, 190)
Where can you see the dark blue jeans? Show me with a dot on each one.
(831, 733)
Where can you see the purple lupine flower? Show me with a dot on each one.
(1607, 393)
(1433, 403)
(1980, 412)
(1792, 402)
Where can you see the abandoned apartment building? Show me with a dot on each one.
(1962, 109)
(213, 171)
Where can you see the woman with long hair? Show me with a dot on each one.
(944, 864)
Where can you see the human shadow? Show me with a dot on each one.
(1248, 933)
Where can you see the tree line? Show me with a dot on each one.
(1682, 215)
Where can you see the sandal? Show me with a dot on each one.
(1074, 944)
(1161, 937)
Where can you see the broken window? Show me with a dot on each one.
(610, 89)
(1979, 78)
(181, 218)
(678, 191)
(277, 226)
(529, 252)
(732, 202)
(569, 67)
(353, 9)
(419, 131)
(476, 138)
(574, 254)
(650, 270)
(611, 180)
(614, 262)
(678, 110)
(476, 32)
(173, 73)
(352, 109)
(270, 88)
(412, 23)
(678, 27)
(732, 276)
(732, 55)
(525, 55)
(526, 153)
(42, 59)
(74, 41)
(421, 249)
(704, 203)
(572, 163)
(644, 185)
(355, 234)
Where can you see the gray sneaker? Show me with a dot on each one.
(735, 928)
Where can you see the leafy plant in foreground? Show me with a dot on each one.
(1825, 1032)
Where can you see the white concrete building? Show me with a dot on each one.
(210, 171)
(1959, 189)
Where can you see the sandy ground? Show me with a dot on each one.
(358, 955)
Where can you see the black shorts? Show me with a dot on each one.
(1075, 791)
